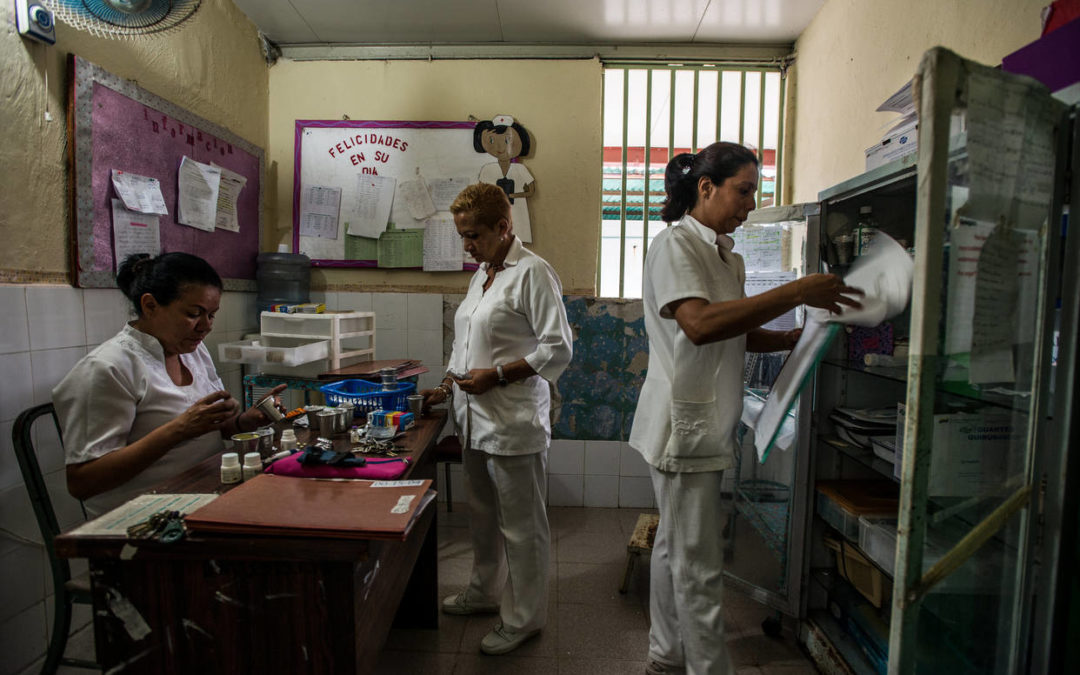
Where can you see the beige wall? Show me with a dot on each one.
(856, 53)
(559, 102)
(212, 65)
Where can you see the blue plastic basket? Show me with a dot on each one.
(368, 396)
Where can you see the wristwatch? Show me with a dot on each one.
(502, 378)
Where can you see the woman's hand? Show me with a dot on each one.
(208, 414)
(434, 397)
(790, 338)
(827, 291)
(253, 417)
(478, 380)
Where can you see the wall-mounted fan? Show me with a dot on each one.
(123, 18)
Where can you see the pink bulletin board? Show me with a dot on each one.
(118, 125)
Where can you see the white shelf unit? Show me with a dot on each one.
(351, 335)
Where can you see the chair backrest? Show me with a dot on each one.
(23, 439)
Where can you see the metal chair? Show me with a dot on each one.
(448, 450)
(65, 589)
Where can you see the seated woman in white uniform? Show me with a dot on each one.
(511, 339)
(148, 404)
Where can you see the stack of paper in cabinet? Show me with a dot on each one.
(284, 505)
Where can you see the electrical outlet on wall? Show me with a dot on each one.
(35, 21)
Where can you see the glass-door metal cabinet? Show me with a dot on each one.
(957, 579)
(763, 530)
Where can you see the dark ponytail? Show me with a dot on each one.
(718, 161)
(162, 277)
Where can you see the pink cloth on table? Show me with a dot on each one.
(377, 468)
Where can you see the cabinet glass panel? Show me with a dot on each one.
(975, 386)
(763, 505)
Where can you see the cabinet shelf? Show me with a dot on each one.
(861, 455)
(947, 390)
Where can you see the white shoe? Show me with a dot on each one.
(502, 640)
(457, 604)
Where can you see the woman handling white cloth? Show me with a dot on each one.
(147, 403)
(511, 338)
(700, 324)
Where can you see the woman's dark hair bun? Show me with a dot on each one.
(717, 161)
(162, 277)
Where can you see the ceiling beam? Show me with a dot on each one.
(725, 52)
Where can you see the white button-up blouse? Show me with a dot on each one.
(120, 392)
(520, 316)
(691, 400)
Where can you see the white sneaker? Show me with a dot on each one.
(502, 640)
(457, 604)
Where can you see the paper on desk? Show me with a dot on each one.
(134, 233)
(884, 274)
(442, 245)
(417, 198)
(229, 190)
(445, 190)
(197, 194)
(117, 521)
(374, 199)
(319, 206)
(139, 193)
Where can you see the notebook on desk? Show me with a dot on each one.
(288, 506)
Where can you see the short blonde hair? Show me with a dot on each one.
(486, 202)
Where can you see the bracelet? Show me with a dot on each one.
(447, 390)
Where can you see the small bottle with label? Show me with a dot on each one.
(230, 468)
(865, 230)
(252, 465)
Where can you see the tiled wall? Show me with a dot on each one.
(46, 329)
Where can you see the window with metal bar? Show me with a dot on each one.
(653, 112)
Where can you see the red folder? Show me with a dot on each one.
(284, 505)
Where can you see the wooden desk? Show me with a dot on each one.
(261, 604)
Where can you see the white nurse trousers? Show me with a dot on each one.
(686, 574)
(511, 541)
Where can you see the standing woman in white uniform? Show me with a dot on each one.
(700, 325)
(511, 339)
(147, 403)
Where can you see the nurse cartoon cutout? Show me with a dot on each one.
(506, 141)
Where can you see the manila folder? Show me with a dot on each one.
(285, 505)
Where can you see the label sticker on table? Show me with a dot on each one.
(397, 483)
(402, 505)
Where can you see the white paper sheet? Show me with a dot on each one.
(375, 198)
(229, 190)
(134, 232)
(1010, 146)
(319, 210)
(139, 193)
(759, 282)
(442, 245)
(417, 199)
(884, 274)
(445, 190)
(197, 194)
(760, 247)
(117, 521)
(816, 335)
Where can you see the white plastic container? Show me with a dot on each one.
(274, 351)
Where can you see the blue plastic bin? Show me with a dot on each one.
(368, 396)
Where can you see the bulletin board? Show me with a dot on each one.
(119, 125)
(339, 154)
